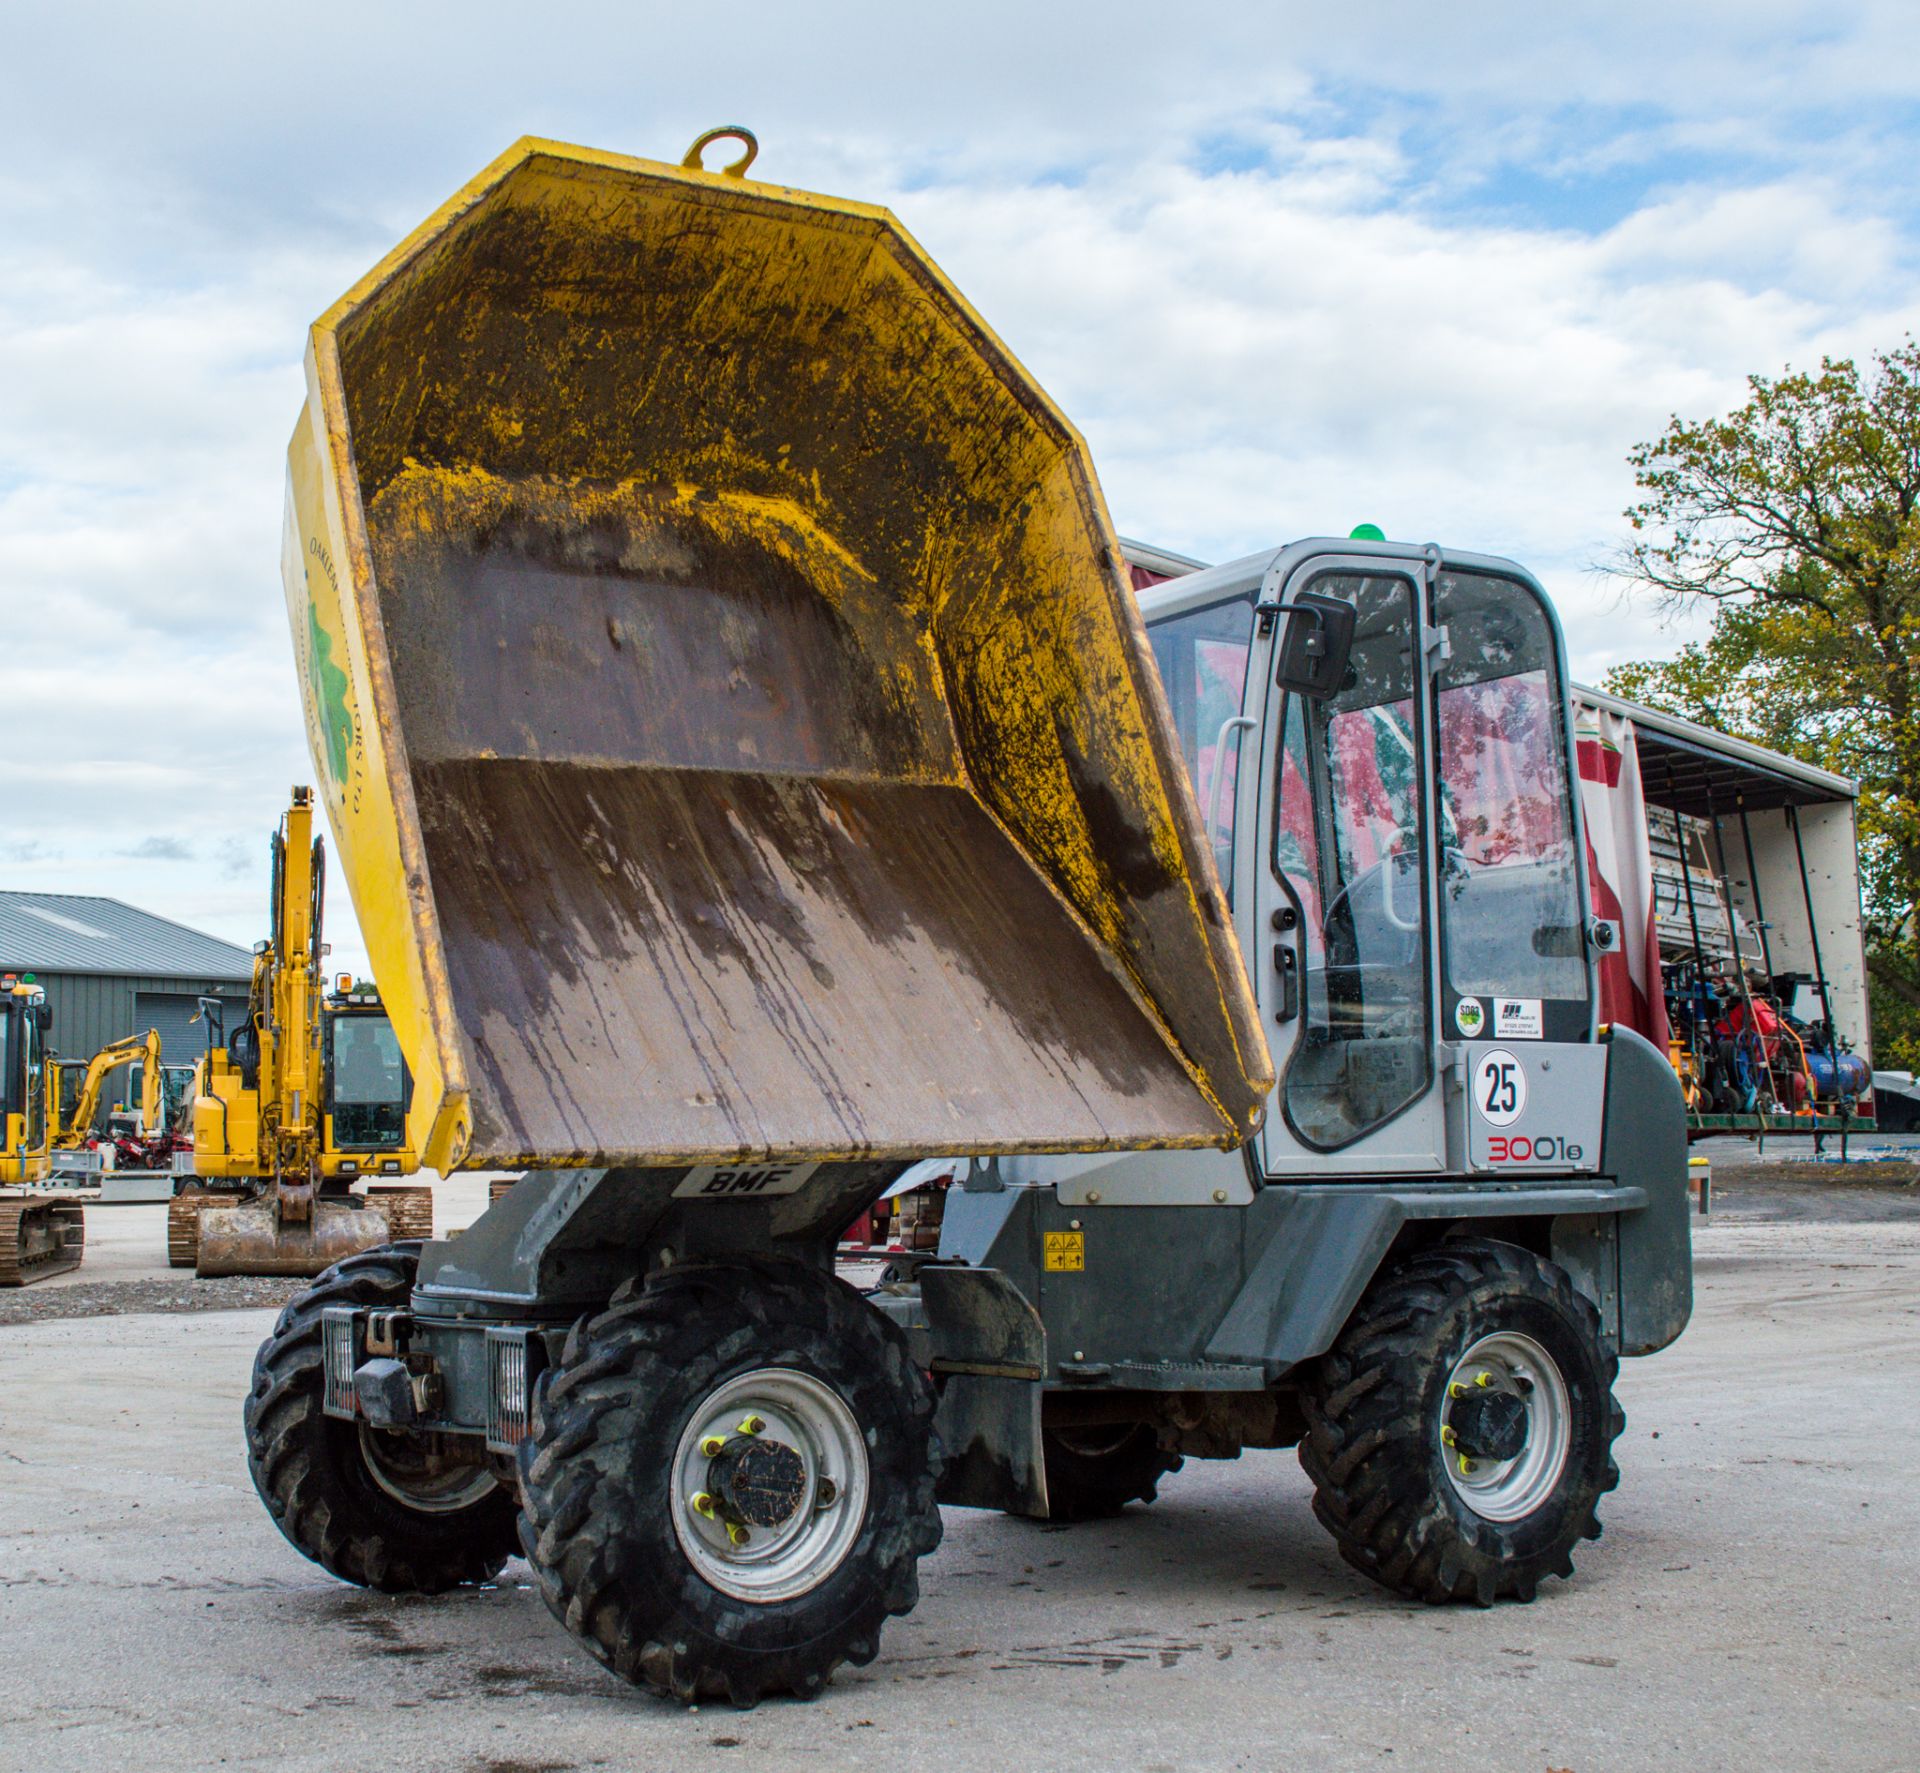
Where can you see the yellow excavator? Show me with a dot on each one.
(40, 1235)
(71, 1129)
(305, 1100)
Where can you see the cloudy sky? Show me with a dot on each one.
(1290, 266)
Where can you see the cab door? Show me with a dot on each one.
(1343, 916)
(1420, 935)
(1517, 999)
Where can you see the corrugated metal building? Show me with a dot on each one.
(111, 970)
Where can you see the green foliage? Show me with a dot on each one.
(1798, 518)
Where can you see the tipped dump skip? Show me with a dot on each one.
(743, 741)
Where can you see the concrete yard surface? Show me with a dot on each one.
(1755, 1602)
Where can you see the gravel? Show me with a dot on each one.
(31, 1305)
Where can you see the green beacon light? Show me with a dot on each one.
(1366, 532)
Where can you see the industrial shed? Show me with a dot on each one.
(110, 970)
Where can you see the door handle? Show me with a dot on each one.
(1230, 730)
(1287, 964)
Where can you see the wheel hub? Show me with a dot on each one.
(769, 1484)
(757, 1482)
(1506, 1426)
(1489, 1424)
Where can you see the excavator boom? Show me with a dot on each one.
(263, 1119)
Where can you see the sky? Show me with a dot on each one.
(1289, 267)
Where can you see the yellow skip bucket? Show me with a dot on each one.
(731, 709)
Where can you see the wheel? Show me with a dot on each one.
(1460, 1432)
(403, 1513)
(730, 1481)
(1093, 1472)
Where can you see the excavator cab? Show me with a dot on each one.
(39, 1236)
(24, 1020)
(367, 1087)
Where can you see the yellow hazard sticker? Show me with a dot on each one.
(1066, 1252)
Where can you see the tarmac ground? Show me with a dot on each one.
(1755, 1602)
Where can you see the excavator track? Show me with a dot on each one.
(39, 1238)
(409, 1211)
(183, 1223)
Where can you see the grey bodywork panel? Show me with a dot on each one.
(1157, 1300)
(1643, 1138)
(989, 1433)
(986, 1346)
(562, 1240)
(1227, 1299)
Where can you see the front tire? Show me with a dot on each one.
(730, 1481)
(398, 1512)
(1460, 1431)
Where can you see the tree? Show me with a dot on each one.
(1798, 518)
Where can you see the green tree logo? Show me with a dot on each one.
(329, 685)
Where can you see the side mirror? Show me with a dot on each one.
(43, 1016)
(1315, 645)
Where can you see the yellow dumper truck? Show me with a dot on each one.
(753, 774)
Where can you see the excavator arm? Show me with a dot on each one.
(143, 1047)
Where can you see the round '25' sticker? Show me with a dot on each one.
(1499, 1087)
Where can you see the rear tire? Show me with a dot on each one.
(1442, 1485)
(624, 1432)
(383, 1510)
(1095, 1472)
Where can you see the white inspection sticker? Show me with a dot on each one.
(1518, 1018)
(1499, 1088)
(737, 1181)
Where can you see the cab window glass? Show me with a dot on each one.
(368, 1084)
(1510, 897)
(1202, 655)
(1349, 841)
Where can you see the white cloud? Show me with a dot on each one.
(1279, 265)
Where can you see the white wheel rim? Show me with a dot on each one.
(1509, 1489)
(779, 1561)
(448, 1491)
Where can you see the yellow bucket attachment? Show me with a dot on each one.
(733, 714)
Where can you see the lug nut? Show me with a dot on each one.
(827, 1494)
(702, 1503)
(738, 1534)
(752, 1425)
(712, 1444)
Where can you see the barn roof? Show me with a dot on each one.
(83, 933)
